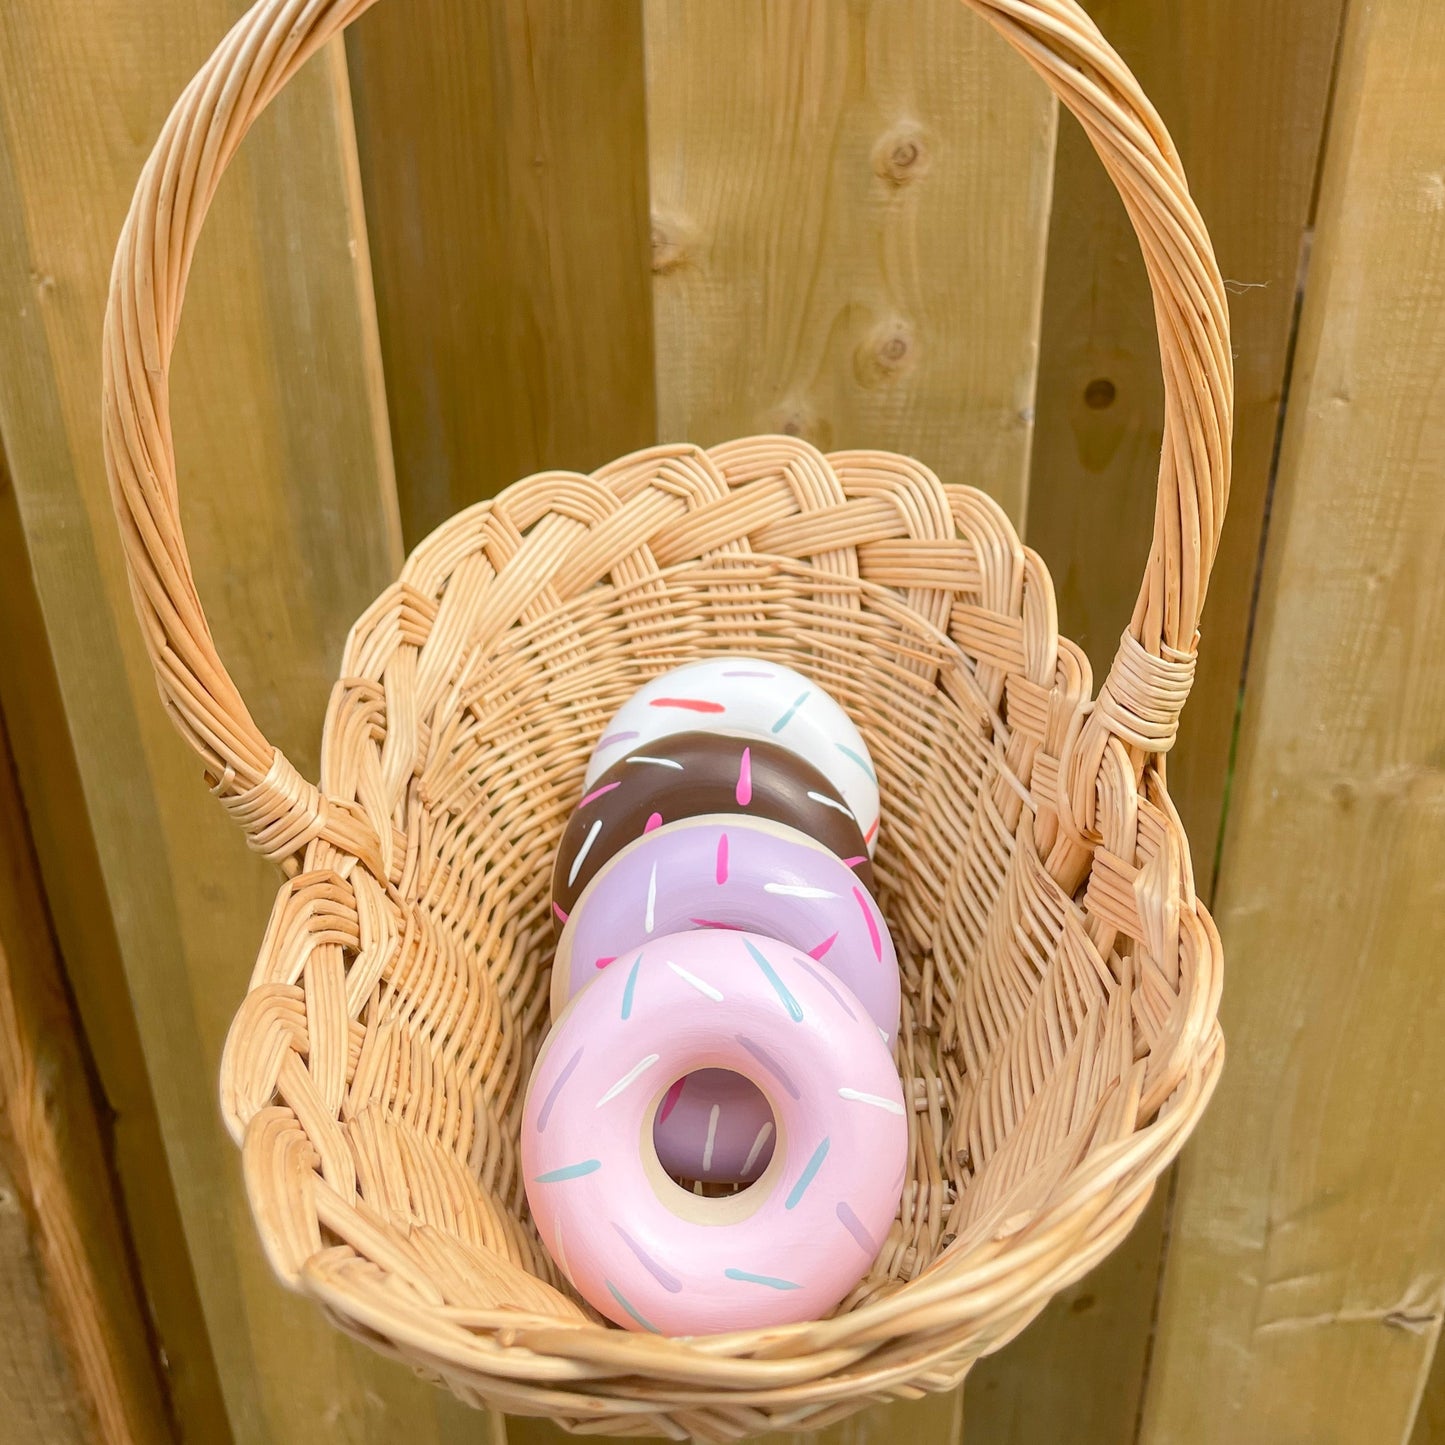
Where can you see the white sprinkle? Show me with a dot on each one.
(701, 985)
(833, 803)
(877, 1100)
(629, 1077)
(797, 890)
(757, 1148)
(659, 762)
(712, 1119)
(583, 851)
(651, 917)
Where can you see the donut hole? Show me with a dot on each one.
(728, 1145)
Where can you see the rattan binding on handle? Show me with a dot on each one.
(1140, 700)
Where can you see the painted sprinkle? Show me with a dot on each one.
(630, 989)
(764, 1279)
(688, 704)
(622, 1300)
(545, 1112)
(874, 937)
(792, 712)
(744, 792)
(792, 1005)
(569, 1171)
(810, 1169)
(596, 793)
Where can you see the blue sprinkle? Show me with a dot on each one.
(779, 987)
(788, 716)
(622, 1300)
(569, 1171)
(627, 992)
(806, 1177)
(854, 757)
(746, 1278)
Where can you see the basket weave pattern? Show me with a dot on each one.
(1061, 981)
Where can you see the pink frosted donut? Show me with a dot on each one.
(748, 697)
(646, 1252)
(729, 871)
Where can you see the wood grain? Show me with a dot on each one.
(503, 154)
(292, 522)
(1244, 89)
(39, 1399)
(1429, 1426)
(69, 868)
(849, 212)
(69, 1290)
(1305, 1282)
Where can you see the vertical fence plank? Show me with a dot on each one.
(1305, 1280)
(92, 1344)
(30, 702)
(849, 214)
(38, 1395)
(292, 520)
(849, 211)
(503, 153)
(1244, 88)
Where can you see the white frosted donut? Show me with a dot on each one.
(648, 1254)
(751, 698)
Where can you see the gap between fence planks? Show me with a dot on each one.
(1430, 1418)
(504, 154)
(1244, 89)
(1305, 1282)
(34, 713)
(293, 525)
(77, 1361)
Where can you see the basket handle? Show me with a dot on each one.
(281, 812)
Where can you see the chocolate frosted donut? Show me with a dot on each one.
(688, 774)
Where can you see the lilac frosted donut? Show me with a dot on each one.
(728, 871)
(651, 1255)
(746, 696)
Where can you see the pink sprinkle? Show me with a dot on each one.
(872, 926)
(654, 822)
(713, 923)
(614, 738)
(557, 909)
(745, 779)
(669, 1102)
(854, 862)
(688, 704)
(722, 859)
(603, 962)
(868, 836)
(822, 948)
(597, 793)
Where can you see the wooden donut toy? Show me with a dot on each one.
(645, 1252)
(687, 774)
(723, 871)
(755, 699)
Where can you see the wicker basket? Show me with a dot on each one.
(1061, 979)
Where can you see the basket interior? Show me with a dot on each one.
(1046, 1000)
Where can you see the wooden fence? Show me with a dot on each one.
(481, 239)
